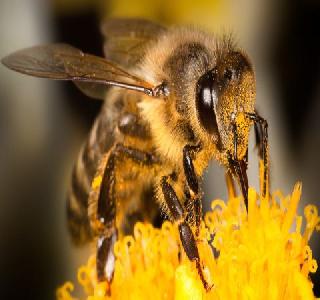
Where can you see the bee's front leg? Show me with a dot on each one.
(261, 133)
(193, 182)
(239, 169)
(179, 216)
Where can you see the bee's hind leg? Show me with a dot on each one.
(105, 221)
(102, 203)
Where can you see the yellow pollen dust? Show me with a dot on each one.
(243, 129)
(242, 121)
(263, 254)
(96, 182)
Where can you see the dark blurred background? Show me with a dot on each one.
(43, 123)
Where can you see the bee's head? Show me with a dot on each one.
(224, 95)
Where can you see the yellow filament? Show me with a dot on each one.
(262, 254)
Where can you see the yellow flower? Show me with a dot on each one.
(260, 255)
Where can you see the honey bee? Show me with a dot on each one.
(174, 99)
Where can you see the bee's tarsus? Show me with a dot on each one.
(258, 137)
(105, 256)
(206, 285)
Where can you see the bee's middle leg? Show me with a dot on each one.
(179, 216)
(106, 207)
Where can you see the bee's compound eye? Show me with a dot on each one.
(206, 101)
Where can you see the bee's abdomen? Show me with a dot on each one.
(77, 203)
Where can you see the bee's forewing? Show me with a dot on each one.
(64, 62)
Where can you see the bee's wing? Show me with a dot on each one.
(126, 39)
(92, 74)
